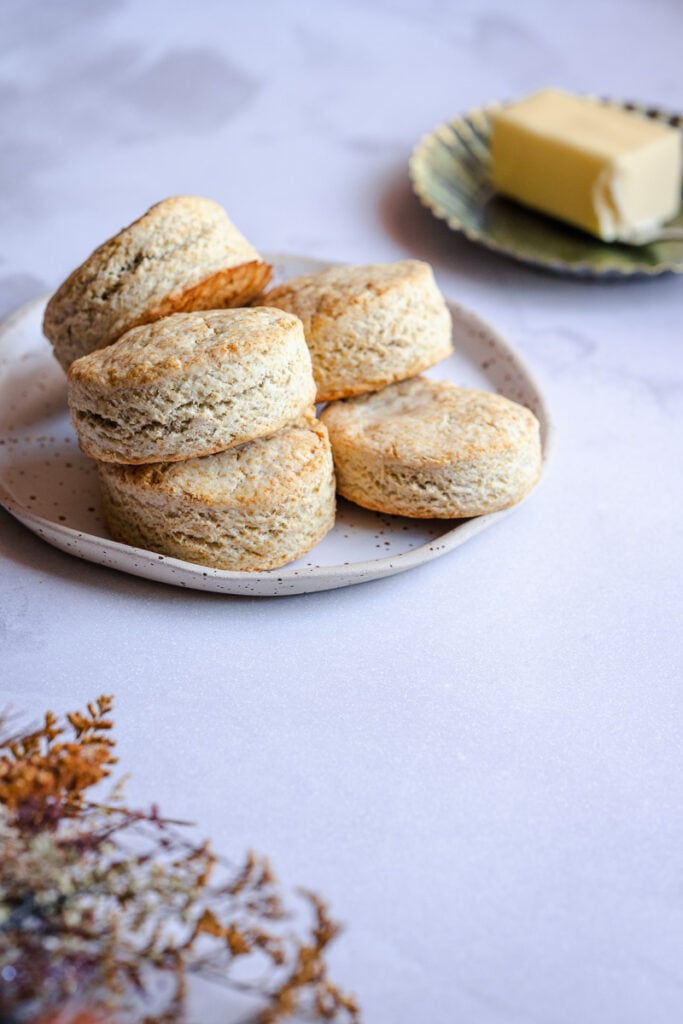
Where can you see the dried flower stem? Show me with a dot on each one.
(101, 900)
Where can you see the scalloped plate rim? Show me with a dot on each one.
(482, 238)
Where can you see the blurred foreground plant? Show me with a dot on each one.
(112, 909)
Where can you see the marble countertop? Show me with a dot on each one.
(478, 762)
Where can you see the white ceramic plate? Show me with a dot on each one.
(47, 484)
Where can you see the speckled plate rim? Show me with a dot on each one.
(284, 581)
(420, 155)
(278, 582)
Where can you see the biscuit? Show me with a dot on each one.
(190, 384)
(183, 254)
(428, 449)
(368, 326)
(255, 507)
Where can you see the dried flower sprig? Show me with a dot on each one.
(43, 778)
(103, 902)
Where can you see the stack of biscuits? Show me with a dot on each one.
(198, 410)
(195, 393)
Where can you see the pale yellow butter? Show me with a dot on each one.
(611, 172)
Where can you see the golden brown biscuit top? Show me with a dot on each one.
(183, 254)
(177, 344)
(165, 228)
(337, 290)
(427, 422)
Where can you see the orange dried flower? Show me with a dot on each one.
(100, 899)
(43, 779)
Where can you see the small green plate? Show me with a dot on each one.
(449, 170)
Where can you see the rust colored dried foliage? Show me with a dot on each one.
(99, 902)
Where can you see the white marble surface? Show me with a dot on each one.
(479, 762)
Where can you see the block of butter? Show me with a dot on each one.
(612, 172)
